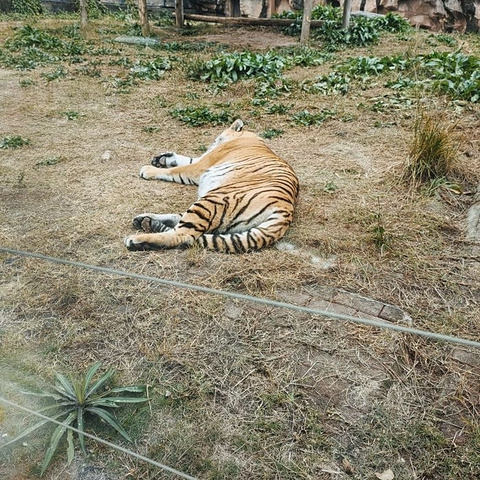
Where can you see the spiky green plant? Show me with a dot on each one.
(433, 152)
(79, 399)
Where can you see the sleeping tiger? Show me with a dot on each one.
(246, 197)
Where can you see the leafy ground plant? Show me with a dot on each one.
(79, 399)
(198, 116)
(13, 141)
(231, 67)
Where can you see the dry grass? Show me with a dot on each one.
(434, 151)
(239, 391)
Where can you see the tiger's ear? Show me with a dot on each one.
(237, 125)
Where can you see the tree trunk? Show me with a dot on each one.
(307, 20)
(179, 14)
(83, 14)
(347, 8)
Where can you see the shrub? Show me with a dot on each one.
(433, 152)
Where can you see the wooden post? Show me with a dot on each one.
(179, 14)
(347, 7)
(270, 8)
(142, 13)
(307, 19)
(83, 14)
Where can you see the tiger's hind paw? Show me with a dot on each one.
(153, 223)
(164, 160)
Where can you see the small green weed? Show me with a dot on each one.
(272, 133)
(150, 69)
(307, 118)
(198, 116)
(273, 87)
(59, 72)
(150, 129)
(72, 115)
(48, 162)
(13, 141)
(332, 84)
(26, 82)
(79, 400)
(330, 187)
(279, 109)
(380, 238)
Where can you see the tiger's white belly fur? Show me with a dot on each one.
(214, 177)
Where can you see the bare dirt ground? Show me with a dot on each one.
(239, 391)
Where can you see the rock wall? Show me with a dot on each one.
(434, 15)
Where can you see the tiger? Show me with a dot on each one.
(246, 197)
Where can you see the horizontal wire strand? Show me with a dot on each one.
(249, 298)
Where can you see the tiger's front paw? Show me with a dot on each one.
(164, 160)
(131, 244)
(134, 243)
(148, 172)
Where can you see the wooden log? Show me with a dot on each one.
(267, 22)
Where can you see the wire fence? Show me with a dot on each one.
(249, 298)
(223, 293)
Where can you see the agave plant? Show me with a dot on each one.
(78, 400)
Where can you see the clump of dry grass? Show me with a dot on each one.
(434, 150)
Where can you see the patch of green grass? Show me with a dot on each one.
(332, 84)
(199, 116)
(307, 118)
(150, 69)
(272, 133)
(59, 72)
(230, 67)
(13, 141)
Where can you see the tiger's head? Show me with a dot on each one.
(234, 131)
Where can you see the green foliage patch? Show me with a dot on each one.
(150, 69)
(79, 401)
(361, 32)
(13, 141)
(199, 116)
